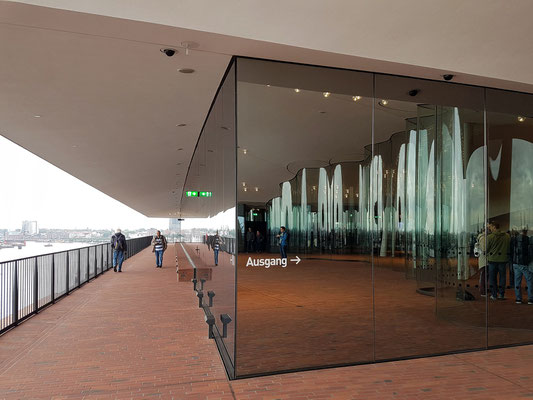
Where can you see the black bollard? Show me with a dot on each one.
(202, 281)
(210, 320)
(210, 294)
(200, 295)
(194, 281)
(226, 319)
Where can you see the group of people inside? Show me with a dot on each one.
(496, 251)
(254, 241)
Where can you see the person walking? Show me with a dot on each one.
(249, 240)
(521, 257)
(159, 245)
(283, 242)
(217, 242)
(119, 246)
(480, 248)
(498, 246)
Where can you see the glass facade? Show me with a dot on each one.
(375, 217)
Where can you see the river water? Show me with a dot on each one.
(37, 248)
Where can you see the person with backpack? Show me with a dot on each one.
(119, 246)
(283, 242)
(521, 258)
(216, 243)
(498, 247)
(159, 245)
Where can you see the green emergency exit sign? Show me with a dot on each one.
(195, 193)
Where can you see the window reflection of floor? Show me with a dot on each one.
(320, 312)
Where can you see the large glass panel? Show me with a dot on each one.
(209, 194)
(304, 163)
(429, 209)
(510, 213)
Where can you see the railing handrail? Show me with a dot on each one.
(65, 251)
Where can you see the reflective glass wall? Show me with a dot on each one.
(209, 194)
(373, 217)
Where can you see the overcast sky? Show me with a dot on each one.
(33, 189)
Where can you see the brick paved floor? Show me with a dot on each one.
(140, 334)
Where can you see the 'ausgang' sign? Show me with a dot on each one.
(271, 262)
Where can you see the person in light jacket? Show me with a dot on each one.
(482, 262)
(159, 245)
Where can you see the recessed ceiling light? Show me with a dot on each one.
(186, 70)
(210, 151)
(245, 189)
(326, 94)
(268, 85)
(36, 116)
(244, 184)
(180, 125)
(244, 151)
(225, 128)
(521, 119)
(74, 145)
(180, 149)
(355, 98)
(297, 90)
(257, 189)
(384, 102)
(322, 112)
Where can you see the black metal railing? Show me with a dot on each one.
(29, 284)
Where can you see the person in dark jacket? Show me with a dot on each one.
(119, 246)
(249, 240)
(259, 242)
(498, 248)
(521, 258)
(217, 242)
(283, 242)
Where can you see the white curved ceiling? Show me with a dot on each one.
(110, 101)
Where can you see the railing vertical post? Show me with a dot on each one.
(68, 273)
(88, 276)
(16, 294)
(79, 267)
(36, 287)
(102, 257)
(53, 281)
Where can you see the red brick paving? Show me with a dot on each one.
(140, 334)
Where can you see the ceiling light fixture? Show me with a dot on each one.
(180, 149)
(326, 94)
(268, 85)
(245, 189)
(521, 119)
(244, 151)
(257, 189)
(36, 116)
(384, 102)
(355, 98)
(180, 125)
(297, 90)
(186, 70)
(244, 184)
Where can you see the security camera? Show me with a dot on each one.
(448, 77)
(413, 92)
(169, 52)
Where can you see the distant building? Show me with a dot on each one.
(30, 228)
(174, 225)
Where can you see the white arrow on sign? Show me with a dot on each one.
(297, 259)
